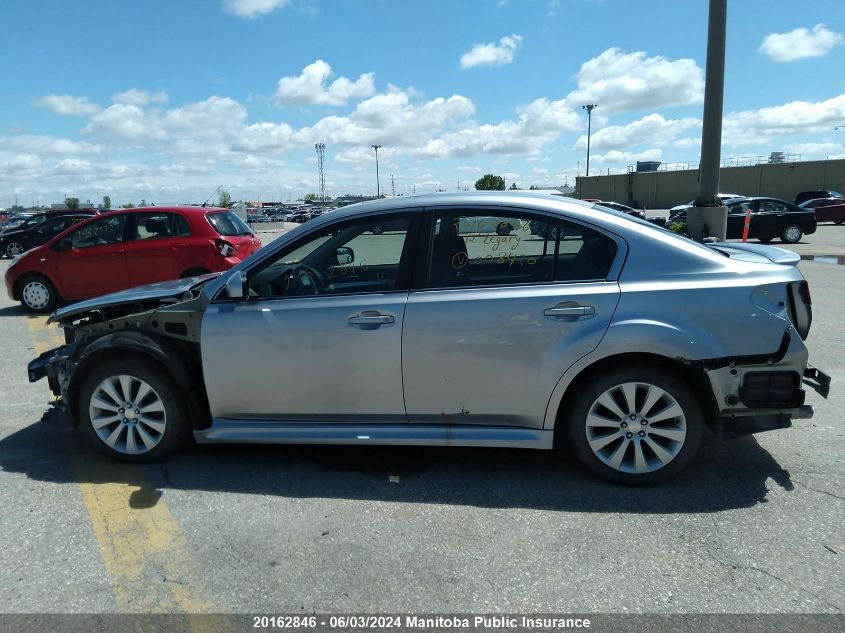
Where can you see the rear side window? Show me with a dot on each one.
(107, 230)
(492, 250)
(227, 223)
(155, 225)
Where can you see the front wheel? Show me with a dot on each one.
(791, 234)
(635, 426)
(37, 293)
(13, 249)
(132, 411)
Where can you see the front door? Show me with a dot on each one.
(95, 263)
(509, 303)
(319, 337)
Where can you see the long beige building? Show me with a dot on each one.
(663, 189)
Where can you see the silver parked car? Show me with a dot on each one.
(602, 334)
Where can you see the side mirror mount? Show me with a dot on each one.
(345, 256)
(236, 284)
(64, 245)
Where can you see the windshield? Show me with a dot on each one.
(227, 223)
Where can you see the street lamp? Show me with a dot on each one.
(378, 187)
(589, 108)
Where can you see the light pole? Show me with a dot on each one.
(708, 217)
(378, 186)
(589, 108)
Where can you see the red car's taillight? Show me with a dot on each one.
(224, 248)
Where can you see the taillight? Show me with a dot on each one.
(804, 293)
(224, 248)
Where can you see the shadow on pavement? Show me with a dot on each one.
(726, 475)
(16, 310)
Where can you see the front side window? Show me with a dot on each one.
(156, 225)
(360, 256)
(491, 250)
(107, 230)
(52, 227)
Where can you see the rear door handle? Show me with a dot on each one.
(375, 319)
(570, 311)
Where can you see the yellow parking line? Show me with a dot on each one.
(145, 553)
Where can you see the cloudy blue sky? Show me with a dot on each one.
(165, 100)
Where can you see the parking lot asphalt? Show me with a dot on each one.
(755, 525)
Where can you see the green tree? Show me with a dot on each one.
(513, 187)
(225, 200)
(489, 182)
(143, 202)
(106, 202)
(72, 203)
(128, 205)
(311, 196)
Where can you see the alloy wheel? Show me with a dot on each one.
(636, 427)
(13, 249)
(127, 414)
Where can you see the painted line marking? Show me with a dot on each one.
(146, 555)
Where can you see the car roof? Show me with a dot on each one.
(184, 208)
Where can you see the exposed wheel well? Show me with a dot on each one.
(189, 382)
(695, 377)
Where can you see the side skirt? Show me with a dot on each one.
(225, 430)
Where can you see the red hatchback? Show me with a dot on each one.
(127, 248)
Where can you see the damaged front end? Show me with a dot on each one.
(161, 322)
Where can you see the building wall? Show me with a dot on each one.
(663, 189)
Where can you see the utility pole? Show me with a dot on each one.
(378, 187)
(589, 108)
(707, 217)
(392, 186)
(321, 182)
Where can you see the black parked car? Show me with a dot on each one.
(770, 218)
(37, 230)
(812, 195)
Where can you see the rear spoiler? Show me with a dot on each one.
(772, 253)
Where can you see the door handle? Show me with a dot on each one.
(570, 311)
(375, 319)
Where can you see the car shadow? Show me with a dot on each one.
(16, 310)
(726, 475)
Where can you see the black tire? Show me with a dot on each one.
(574, 432)
(839, 221)
(14, 248)
(378, 229)
(26, 293)
(765, 240)
(194, 272)
(791, 239)
(177, 426)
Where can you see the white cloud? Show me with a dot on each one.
(309, 87)
(133, 96)
(67, 105)
(618, 81)
(800, 43)
(628, 158)
(21, 162)
(253, 8)
(265, 136)
(653, 128)
(72, 166)
(816, 150)
(492, 54)
(758, 127)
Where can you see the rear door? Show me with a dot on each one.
(95, 263)
(494, 320)
(157, 250)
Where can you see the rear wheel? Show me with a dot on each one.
(37, 293)
(13, 249)
(504, 228)
(791, 234)
(635, 426)
(131, 410)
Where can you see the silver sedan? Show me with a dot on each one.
(498, 319)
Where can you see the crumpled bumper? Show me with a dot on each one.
(49, 364)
